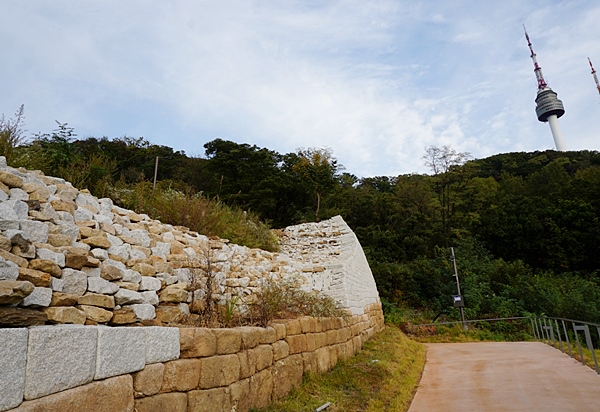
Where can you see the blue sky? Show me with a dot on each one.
(376, 81)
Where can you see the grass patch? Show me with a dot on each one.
(382, 377)
(195, 211)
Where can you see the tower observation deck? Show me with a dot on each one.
(548, 106)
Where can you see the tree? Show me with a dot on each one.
(318, 168)
(447, 167)
(11, 133)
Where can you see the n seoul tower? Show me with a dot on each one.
(548, 107)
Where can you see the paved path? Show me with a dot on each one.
(512, 376)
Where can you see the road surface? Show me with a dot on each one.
(504, 376)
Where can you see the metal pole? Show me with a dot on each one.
(567, 337)
(462, 312)
(155, 173)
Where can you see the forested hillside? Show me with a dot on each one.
(525, 226)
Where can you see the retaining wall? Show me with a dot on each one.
(95, 368)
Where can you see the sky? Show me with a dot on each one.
(375, 81)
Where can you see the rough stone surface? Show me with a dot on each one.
(239, 393)
(197, 342)
(120, 351)
(19, 317)
(59, 358)
(40, 298)
(65, 314)
(76, 281)
(12, 292)
(123, 316)
(128, 297)
(162, 344)
(95, 299)
(96, 314)
(109, 395)
(38, 278)
(287, 374)
(181, 375)
(13, 356)
(229, 340)
(261, 388)
(8, 270)
(101, 286)
(143, 311)
(219, 371)
(46, 254)
(209, 400)
(149, 380)
(164, 402)
(47, 266)
(150, 283)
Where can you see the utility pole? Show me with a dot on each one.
(458, 299)
(155, 173)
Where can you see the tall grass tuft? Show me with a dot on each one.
(197, 212)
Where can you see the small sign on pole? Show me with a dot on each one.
(458, 301)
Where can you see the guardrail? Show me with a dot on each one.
(548, 330)
(557, 332)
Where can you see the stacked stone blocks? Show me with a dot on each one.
(216, 369)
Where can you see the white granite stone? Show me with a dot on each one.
(83, 215)
(18, 194)
(120, 351)
(101, 218)
(91, 272)
(84, 199)
(57, 284)
(143, 311)
(40, 297)
(102, 286)
(98, 253)
(150, 297)
(133, 276)
(7, 212)
(8, 270)
(162, 344)
(141, 237)
(150, 283)
(34, 230)
(59, 358)
(58, 258)
(13, 358)
(75, 281)
(128, 297)
(19, 207)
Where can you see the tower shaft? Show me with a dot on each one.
(556, 133)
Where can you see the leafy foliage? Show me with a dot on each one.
(525, 226)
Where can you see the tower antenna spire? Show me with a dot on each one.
(594, 74)
(536, 67)
(548, 107)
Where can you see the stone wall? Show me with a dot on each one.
(71, 265)
(68, 257)
(85, 368)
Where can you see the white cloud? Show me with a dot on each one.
(378, 82)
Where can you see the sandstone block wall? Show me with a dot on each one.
(215, 370)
